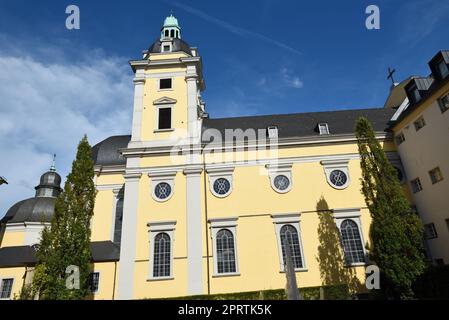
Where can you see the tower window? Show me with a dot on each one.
(166, 48)
(172, 33)
(164, 121)
(166, 33)
(165, 83)
(177, 34)
(443, 69)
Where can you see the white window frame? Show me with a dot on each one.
(323, 128)
(217, 224)
(275, 170)
(157, 118)
(353, 214)
(12, 287)
(293, 219)
(167, 89)
(272, 132)
(154, 228)
(218, 173)
(163, 44)
(157, 177)
(331, 165)
(436, 169)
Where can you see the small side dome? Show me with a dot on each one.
(171, 28)
(50, 185)
(171, 21)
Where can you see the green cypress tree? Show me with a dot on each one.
(396, 232)
(66, 242)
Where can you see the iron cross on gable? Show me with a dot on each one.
(390, 74)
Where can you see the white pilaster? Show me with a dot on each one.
(192, 103)
(128, 239)
(139, 83)
(194, 231)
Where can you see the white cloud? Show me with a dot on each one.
(46, 107)
(291, 80)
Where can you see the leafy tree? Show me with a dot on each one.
(66, 242)
(396, 231)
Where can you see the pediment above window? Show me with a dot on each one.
(164, 100)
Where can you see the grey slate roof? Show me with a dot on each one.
(305, 124)
(40, 209)
(178, 45)
(17, 256)
(106, 151)
(295, 125)
(102, 251)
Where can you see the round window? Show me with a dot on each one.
(281, 182)
(222, 186)
(162, 190)
(338, 178)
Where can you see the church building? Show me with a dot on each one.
(188, 204)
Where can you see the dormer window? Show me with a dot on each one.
(272, 132)
(443, 69)
(416, 96)
(323, 128)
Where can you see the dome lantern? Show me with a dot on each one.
(171, 28)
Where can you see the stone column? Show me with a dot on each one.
(139, 84)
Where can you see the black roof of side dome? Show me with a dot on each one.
(177, 45)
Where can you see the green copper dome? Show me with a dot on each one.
(171, 21)
(171, 28)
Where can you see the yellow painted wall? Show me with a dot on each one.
(13, 238)
(17, 274)
(107, 282)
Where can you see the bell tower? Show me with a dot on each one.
(167, 97)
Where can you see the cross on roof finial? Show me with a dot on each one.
(390, 74)
(53, 165)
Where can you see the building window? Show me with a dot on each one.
(351, 242)
(164, 121)
(280, 176)
(416, 185)
(6, 288)
(166, 33)
(400, 138)
(430, 232)
(162, 255)
(161, 250)
(399, 174)
(435, 175)
(323, 128)
(272, 132)
(222, 186)
(444, 103)
(165, 84)
(415, 93)
(94, 280)
(338, 178)
(289, 236)
(225, 252)
(224, 235)
(281, 182)
(443, 69)
(337, 173)
(118, 220)
(172, 33)
(419, 124)
(162, 190)
(447, 224)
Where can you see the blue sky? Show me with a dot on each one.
(259, 57)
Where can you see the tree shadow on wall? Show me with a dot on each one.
(330, 254)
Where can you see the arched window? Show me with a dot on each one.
(289, 235)
(166, 33)
(118, 220)
(161, 256)
(225, 252)
(177, 34)
(172, 33)
(351, 242)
